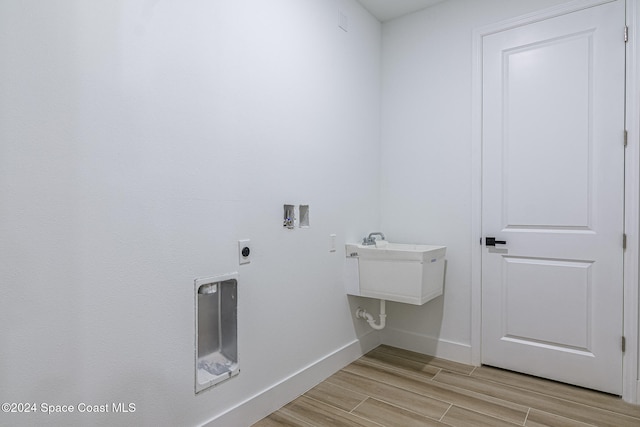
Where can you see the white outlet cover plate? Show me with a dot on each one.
(245, 243)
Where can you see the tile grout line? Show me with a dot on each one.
(432, 397)
(416, 374)
(293, 415)
(420, 360)
(341, 410)
(408, 371)
(460, 390)
(358, 405)
(552, 396)
(494, 400)
(333, 406)
(368, 420)
(360, 416)
(585, 423)
(402, 408)
(526, 417)
(433, 378)
(445, 412)
(372, 359)
(479, 412)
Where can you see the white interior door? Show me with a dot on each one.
(553, 182)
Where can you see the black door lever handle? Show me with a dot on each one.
(491, 241)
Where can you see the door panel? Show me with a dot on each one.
(561, 287)
(542, 82)
(553, 182)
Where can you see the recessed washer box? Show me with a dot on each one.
(216, 315)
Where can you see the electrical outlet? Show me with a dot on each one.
(244, 251)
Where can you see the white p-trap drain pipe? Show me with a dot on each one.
(361, 313)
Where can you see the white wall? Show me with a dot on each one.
(426, 158)
(140, 139)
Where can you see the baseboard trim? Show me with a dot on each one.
(424, 344)
(369, 341)
(279, 394)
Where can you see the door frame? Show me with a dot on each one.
(631, 383)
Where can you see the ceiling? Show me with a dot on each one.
(385, 10)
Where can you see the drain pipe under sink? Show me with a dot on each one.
(361, 313)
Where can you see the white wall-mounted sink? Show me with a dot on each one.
(408, 273)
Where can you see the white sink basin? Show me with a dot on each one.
(396, 251)
(408, 273)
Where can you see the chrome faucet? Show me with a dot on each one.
(371, 240)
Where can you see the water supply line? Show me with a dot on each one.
(361, 313)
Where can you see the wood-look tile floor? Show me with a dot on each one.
(399, 388)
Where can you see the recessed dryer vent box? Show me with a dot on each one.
(216, 307)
